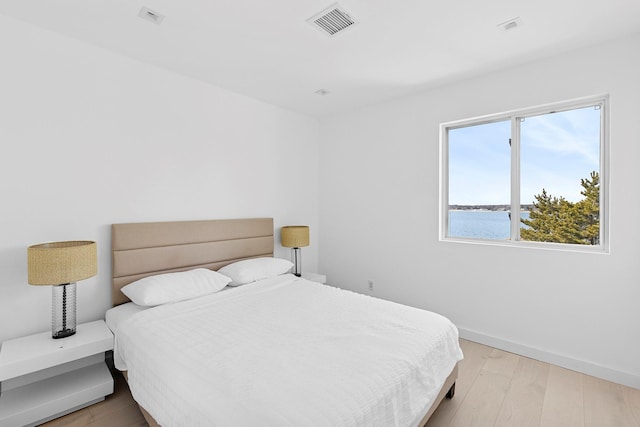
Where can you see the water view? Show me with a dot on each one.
(480, 224)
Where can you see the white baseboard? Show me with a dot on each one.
(620, 377)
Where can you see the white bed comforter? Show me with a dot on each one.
(287, 352)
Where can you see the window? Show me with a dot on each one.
(533, 177)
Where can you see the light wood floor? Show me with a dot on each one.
(494, 388)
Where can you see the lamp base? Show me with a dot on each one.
(63, 333)
(297, 261)
(63, 321)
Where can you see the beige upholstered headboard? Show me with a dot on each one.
(144, 249)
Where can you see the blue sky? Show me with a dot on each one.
(557, 150)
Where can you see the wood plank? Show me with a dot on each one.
(604, 404)
(129, 415)
(80, 418)
(631, 397)
(475, 356)
(563, 400)
(483, 401)
(522, 405)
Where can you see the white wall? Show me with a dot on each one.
(379, 219)
(89, 138)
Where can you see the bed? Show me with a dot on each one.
(278, 351)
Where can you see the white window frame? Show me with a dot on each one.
(514, 116)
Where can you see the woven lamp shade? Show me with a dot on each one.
(62, 262)
(295, 236)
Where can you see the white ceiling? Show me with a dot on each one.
(267, 50)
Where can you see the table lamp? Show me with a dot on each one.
(60, 265)
(295, 237)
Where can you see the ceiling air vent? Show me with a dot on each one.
(149, 15)
(510, 24)
(333, 20)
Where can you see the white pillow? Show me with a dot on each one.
(250, 270)
(173, 287)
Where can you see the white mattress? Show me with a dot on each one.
(113, 318)
(286, 352)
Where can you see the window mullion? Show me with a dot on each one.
(444, 179)
(515, 178)
(604, 176)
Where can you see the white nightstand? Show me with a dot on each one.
(42, 378)
(314, 277)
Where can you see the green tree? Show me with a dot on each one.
(588, 210)
(554, 219)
